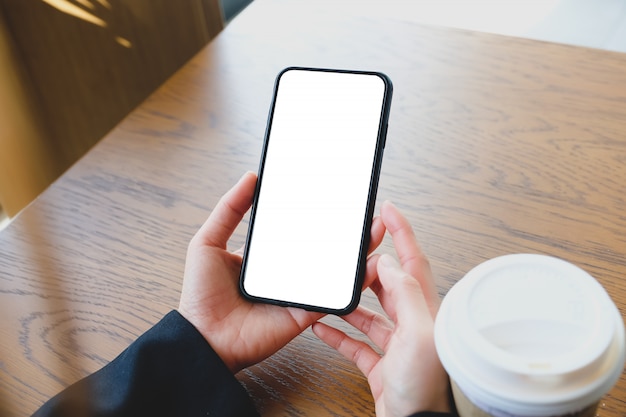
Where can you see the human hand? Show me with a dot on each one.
(409, 376)
(241, 333)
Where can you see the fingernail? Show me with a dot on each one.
(388, 261)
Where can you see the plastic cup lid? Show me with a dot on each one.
(530, 334)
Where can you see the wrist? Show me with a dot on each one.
(197, 323)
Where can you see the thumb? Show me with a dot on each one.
(404, 298)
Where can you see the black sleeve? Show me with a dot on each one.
(169, 371)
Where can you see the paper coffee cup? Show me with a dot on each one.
(529, 336)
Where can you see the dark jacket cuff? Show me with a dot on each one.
(170, 370)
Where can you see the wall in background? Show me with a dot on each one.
(26, 162)
(76, 69)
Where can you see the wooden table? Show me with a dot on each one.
(496, 145)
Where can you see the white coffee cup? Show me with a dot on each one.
(529, 336)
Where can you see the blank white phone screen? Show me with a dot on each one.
(310, 214)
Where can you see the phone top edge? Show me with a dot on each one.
(387, 95)
(382, 75)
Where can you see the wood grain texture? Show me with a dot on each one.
(496, 145)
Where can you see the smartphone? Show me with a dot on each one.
(310, 222)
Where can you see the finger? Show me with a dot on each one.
(371, 274)
(303, 318)
(412, 259)
(375, 284)
(357, 352)
(377, 233)
(404, 299)
(383, 295)
(376, 326)
(403, 237)
(228, 213)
